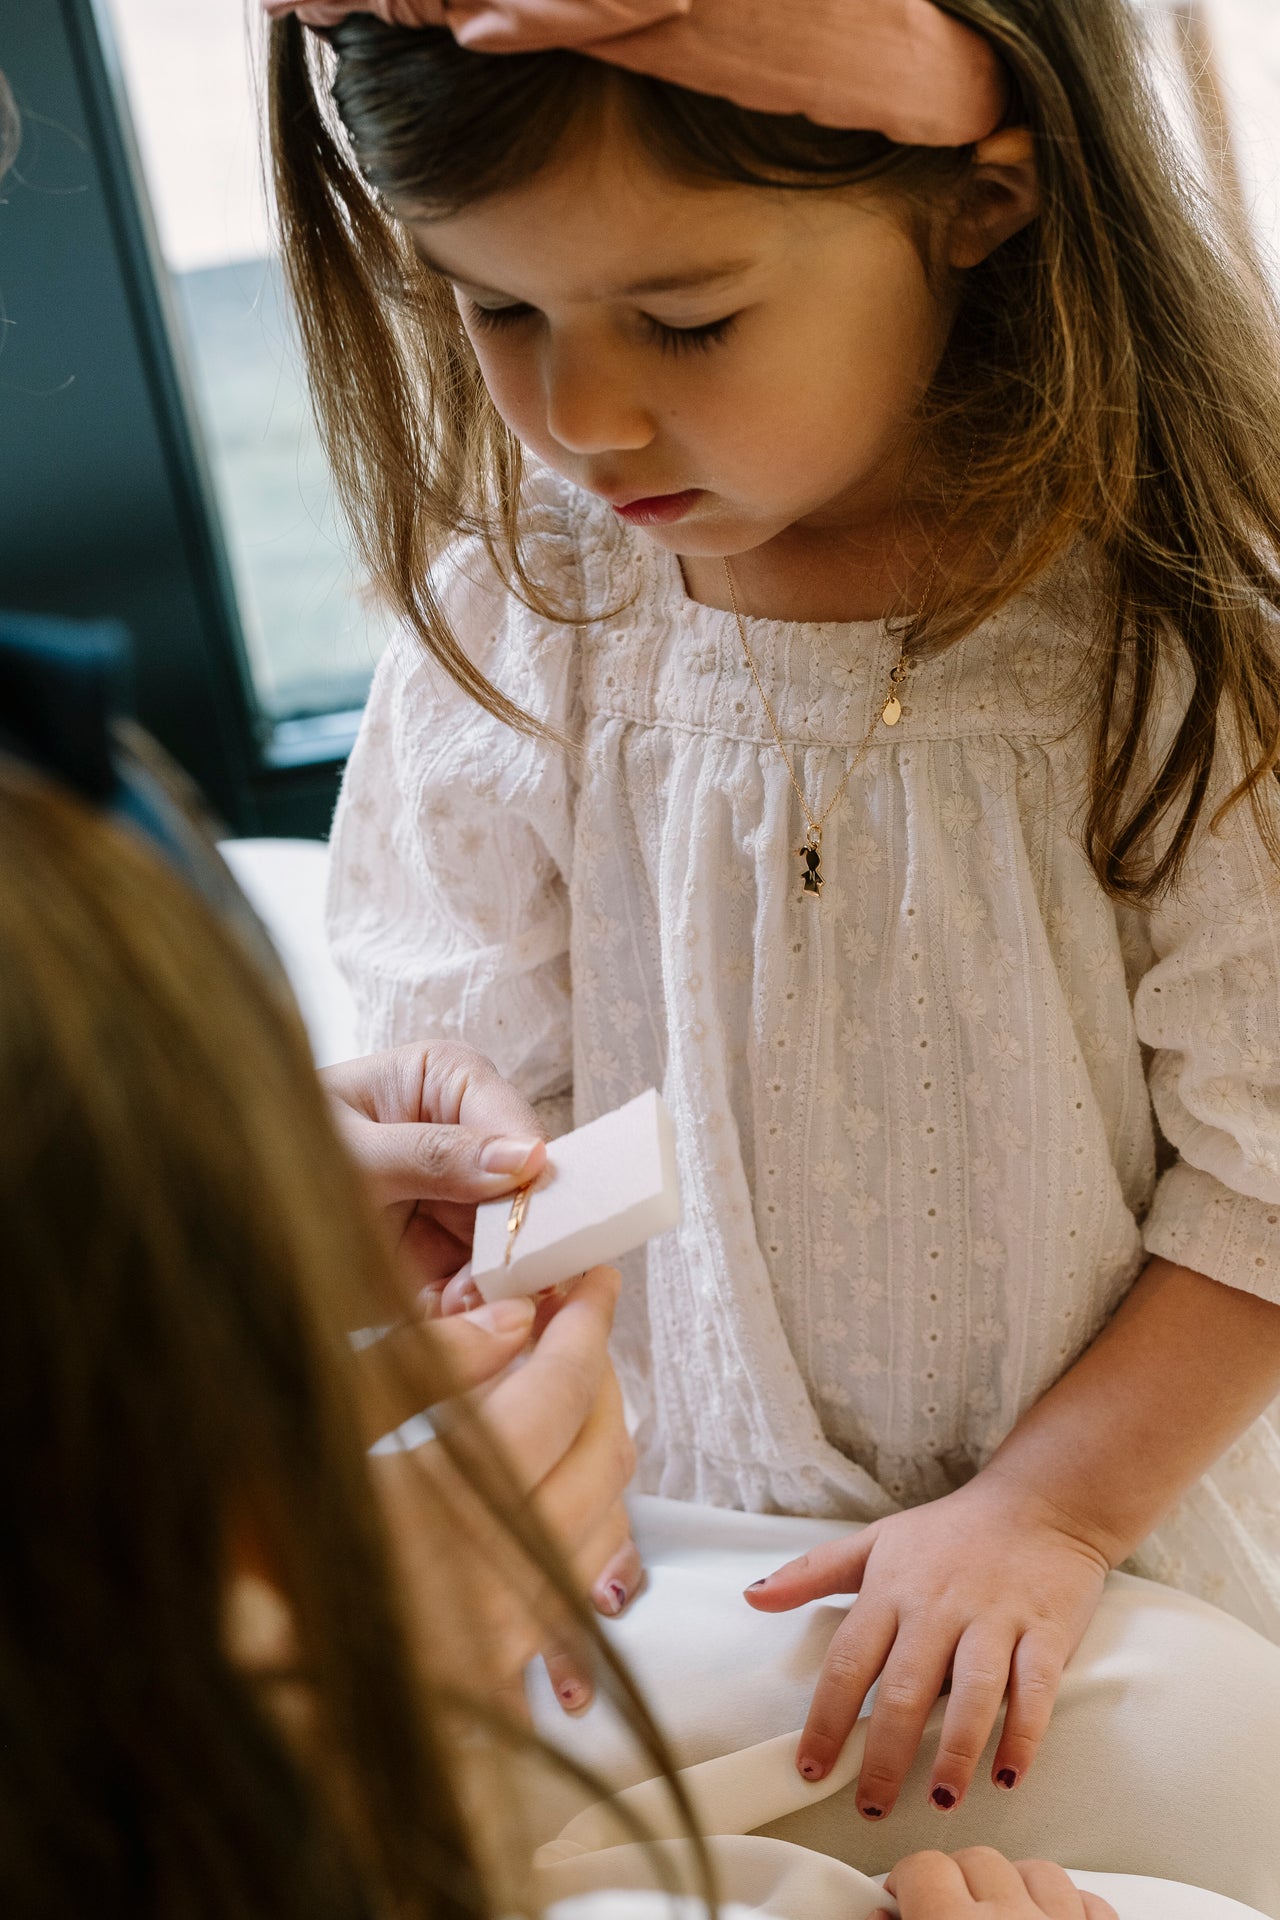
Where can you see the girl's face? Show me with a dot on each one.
(758, 355)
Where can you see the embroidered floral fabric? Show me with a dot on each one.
(918, 1154)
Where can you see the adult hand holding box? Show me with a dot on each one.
(607, 1188)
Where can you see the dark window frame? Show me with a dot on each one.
(106, 503)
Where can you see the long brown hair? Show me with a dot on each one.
(1113, 368)
(184, 1243)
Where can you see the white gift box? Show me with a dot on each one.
(607, 1189)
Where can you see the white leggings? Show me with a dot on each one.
(1162, 1760)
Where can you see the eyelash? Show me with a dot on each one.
(669, 339)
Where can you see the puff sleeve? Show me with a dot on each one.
(1209, 1009)
(451, 849)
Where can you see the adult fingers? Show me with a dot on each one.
(409, 1160)
(461, 1085)
(441, 1082)
(979, 1677)
(1054, 1893)
(837, 1566)
(427, 1251)
(537, 1412)
(1035, 1674)
(910, 1683)
(856, 1655)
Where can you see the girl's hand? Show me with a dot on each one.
(980, 1884)
(559, 1420)
(990, 1584)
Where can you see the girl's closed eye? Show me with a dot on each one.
(668, 338)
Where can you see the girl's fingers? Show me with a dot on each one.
(990, 1877)
(930, 1883)
(621, 1577)
(537, 1413)
(856, 1655)
(1054, 1893)
(911, 1682)
(570, 1677)
(837, 1566)
(584, 1490)
(476, 1346)
(1035, 1675)
(979, 1677)
(610, 1566)
(399, 1374)
(459, 1292)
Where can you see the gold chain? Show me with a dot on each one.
(888, 716)
(515, 1219)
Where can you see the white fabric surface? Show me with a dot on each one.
(840, 1895)
(1160, 1762)
(914, 1124)
(284, 882)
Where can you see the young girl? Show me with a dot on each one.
(227, 1691)
(903, 494)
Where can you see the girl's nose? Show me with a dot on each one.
(593, 405)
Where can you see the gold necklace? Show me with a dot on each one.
(888, 716)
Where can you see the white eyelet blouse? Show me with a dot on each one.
(928, 1123)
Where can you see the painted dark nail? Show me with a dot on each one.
(755, 1584)
(872, 1813)
(614, 1597)
(944, 1798)
(1006, 1778)
(811, 1769)
(572, 1694)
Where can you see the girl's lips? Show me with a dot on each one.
(658, 507)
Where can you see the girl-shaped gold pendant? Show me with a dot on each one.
(811, 854)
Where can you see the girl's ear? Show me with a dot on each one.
(1000, 195)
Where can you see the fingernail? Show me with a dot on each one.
(1006, 1778)
(614, 1597)
(503, 1316)
(573, 1694)
(872, 1813)
(755, 1584)
(810, 1769)
(944, 1798)
(507, 1156)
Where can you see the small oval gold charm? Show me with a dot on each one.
(891, 712)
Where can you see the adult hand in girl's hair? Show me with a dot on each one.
(558, 1420)
(436, 1129)
(992, 1585)
(980, 1884)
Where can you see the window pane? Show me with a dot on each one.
(311, 631)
